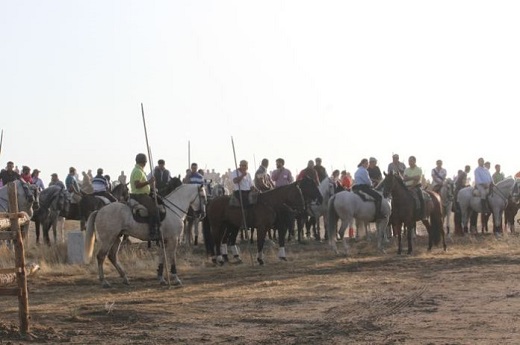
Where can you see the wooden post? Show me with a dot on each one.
(23, 301)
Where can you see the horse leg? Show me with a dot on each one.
(281, 243)
(37, 226)
(101, 256)
(232, 242)
(113, 257)
(397, 228)
(409, 236)
(260, 239)
(428, 229)
(173, 258)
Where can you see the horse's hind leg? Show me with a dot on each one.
(112, 256)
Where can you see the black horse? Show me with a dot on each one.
(226, 220)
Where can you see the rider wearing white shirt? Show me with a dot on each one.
(242, 183)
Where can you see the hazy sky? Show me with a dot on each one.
(341, 80)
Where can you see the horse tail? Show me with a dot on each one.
(436, 219)
(332, 217)
(90, 236)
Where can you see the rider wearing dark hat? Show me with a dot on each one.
(140, 191)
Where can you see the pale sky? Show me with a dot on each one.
(340, 80)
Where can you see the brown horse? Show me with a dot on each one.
(404, 212)
(226, 220)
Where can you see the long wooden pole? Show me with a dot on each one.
(23, 299)
(155, 195)
(244, 223)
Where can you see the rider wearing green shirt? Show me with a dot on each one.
(140, 191)
(412, 179)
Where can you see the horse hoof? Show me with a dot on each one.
(237, 259)
(282, 258)
(221, 263)
(225, 257)
(260, 261)
(214, 261)
(106, 285)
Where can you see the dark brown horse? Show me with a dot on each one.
(404, 212)
(226, 220)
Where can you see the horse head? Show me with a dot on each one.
(172, 185)
(448, 190)
(199, 203)
(309, 189)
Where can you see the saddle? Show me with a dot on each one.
(140, 213)
(364, 196)
(252, 199)
(417, 203)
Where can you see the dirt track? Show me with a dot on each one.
(468, 295)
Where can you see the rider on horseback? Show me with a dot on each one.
(483, 182)
(412, 179)
(364, 183)
(140, 191)
(101, 187)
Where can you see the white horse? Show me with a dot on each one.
(116, 219)
(447, 194)
(26, 194)
(192, 225)
(348, 206)
(469, 201)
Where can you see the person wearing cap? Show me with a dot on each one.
(439, 175)
(140, 187)
(363, 183)
(320, 169)
(395, 166)
(412, 179)
(36, 180)
(55, 181)
(374, 172)
(101, 187)
(8, 174)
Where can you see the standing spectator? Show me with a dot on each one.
(8, 174)
(320, 169)
(122, 177)
(498, 175)
(346, 180)
(395, 166)
(438, 176)
(281, 176)
(263, 180)
(374, 172)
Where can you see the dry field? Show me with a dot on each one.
(467, 295)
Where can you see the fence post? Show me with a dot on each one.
(23, 301)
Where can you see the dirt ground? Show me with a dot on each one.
(467, 295)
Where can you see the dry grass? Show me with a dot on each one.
(466, 295)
